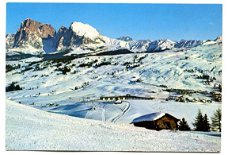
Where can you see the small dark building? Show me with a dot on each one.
(126, 97)
(157, 121)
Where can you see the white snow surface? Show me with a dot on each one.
(24, 50)
(32, 129)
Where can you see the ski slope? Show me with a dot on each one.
(32, 129)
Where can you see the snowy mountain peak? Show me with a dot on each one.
(85, 30)
(218, 39)
(161, 45)
(125, 38)
(188, 43)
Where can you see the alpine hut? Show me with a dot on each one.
(157, 121)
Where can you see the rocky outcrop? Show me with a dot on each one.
(32, 33)
(63, 38)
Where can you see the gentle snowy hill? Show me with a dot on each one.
(31, 129)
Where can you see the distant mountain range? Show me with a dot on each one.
(35, 38)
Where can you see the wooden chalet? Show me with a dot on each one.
(156, 121)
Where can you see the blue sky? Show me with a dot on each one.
(140, 21)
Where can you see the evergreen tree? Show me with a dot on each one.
(216, 121)
(13, 87)
(183, 125)
(198, 124)
(206, 124)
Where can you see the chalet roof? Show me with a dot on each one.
(151, 117)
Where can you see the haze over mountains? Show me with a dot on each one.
(36, 38)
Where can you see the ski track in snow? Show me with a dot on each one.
(32, 129)
(127, 107)
(103, 113)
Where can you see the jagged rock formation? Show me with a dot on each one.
(32, 33)
(35, 38)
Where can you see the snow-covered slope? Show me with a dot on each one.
(183, 70)
(73, 85)
(32, 129)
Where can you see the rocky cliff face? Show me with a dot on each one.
(31, 33)
(63, 38)
(35, 36)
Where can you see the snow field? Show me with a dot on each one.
(31, 129)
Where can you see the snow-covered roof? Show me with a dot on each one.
(149, 117)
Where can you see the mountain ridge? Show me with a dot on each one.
(34, 37)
